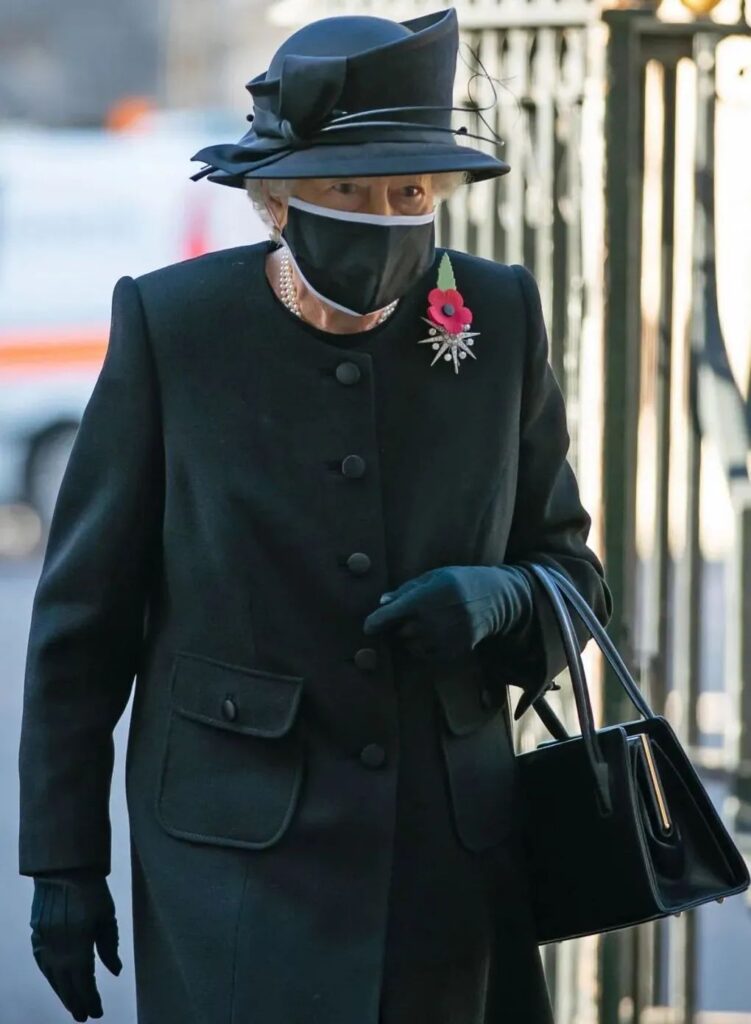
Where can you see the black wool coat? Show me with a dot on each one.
(312, 810)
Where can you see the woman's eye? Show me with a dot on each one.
(401, 195)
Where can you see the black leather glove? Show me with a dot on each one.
(70, 913)
(447, 611)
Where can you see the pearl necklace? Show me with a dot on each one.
(289, 298)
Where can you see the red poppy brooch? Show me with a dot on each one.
(448, 318)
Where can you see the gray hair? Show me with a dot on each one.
(445, 183)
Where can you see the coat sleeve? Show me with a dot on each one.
(549, 523)
(89, 606)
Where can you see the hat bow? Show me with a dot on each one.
(306, 93)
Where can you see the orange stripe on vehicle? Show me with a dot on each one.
(35, 351)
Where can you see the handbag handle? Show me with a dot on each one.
(598, 764)
(602, 640)
(605, 644)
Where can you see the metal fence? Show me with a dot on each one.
(611, 135)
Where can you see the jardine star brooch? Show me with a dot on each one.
(448, 317)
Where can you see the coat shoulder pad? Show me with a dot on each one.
(201, 279)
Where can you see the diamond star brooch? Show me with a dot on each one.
(448, 319)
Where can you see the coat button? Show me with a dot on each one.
(358, 563)
(229, 709)
(373, 755)
(366, 658)
(347, 373)
(486, 698)
(353, 465)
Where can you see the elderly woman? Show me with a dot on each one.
(292, 513)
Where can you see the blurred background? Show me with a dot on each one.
(628, 130)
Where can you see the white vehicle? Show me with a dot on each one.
(78, 209)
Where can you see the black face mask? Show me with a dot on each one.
(358, 262)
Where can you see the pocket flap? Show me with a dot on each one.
(244, 700)
(465, 698)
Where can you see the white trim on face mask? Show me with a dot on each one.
(309, 286)
(362, 218)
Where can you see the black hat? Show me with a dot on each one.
(354, 95)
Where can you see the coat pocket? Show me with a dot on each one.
(232, 762)
(480, 761)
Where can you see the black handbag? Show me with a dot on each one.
(616, 826)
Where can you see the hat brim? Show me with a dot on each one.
(368, 158)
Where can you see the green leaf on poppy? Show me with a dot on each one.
(446, 278)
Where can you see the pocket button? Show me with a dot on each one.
(229, 709)
(353, 465)
(486, 697)
(373, 755)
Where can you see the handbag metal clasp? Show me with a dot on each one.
(654, 779)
